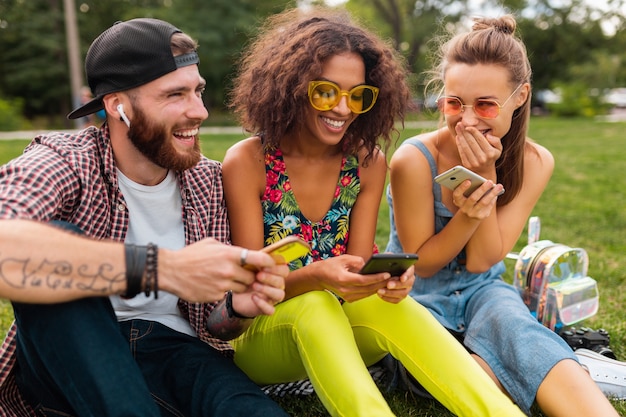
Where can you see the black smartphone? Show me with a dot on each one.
(394, 263)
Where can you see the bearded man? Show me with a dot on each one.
(127, 307)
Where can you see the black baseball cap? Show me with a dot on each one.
(127, 55)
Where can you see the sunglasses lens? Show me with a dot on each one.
(449, 106)
(487, 108)
(325, 96)
(361, 99)
(452, 106)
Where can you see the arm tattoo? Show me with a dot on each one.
(224, 327)
(59, 275)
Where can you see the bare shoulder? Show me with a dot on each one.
(376, 162)
(243, 168)
(538, 157)
(245, 151)
(408, 155)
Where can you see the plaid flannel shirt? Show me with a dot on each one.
(72, 177)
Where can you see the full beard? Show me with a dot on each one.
(154, 141)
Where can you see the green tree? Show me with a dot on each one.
(221, 27)
(564, 41)
(35, 59)
(558, 40)
(617, 51)
(35, 64)
(410, 25)
(11, 115)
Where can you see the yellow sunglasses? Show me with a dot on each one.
(326, 95)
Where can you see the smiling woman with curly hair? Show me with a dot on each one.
(319, 93)
(290, 52)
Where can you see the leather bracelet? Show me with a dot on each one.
(229, 307)
(135, 257)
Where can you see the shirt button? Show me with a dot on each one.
(121, 207)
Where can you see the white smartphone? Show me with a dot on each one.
(453, 177)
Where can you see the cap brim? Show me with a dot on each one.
(89, 108)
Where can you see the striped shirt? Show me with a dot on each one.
(72, 177)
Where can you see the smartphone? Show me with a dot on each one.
(285, 250)
(394, 263)
(453, 177)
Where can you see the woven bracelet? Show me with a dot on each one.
(135, 266)
(152, 276)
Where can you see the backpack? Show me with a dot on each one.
(552, 280)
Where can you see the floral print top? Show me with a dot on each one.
(282, 216)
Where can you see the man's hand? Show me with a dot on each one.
(203, 271)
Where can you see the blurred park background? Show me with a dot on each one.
(577, 47)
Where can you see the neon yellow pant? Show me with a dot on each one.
(314, 336)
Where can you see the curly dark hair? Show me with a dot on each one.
(494, 41)
(271, 86)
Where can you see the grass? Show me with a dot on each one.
(583, 206)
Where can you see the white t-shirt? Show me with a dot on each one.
(155, 215)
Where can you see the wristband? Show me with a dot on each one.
(229, 307)
(135, 265)
(140, 261)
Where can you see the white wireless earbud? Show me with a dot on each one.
(120, 110)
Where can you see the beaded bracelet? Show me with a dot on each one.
(152, 278)
(141, 260)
